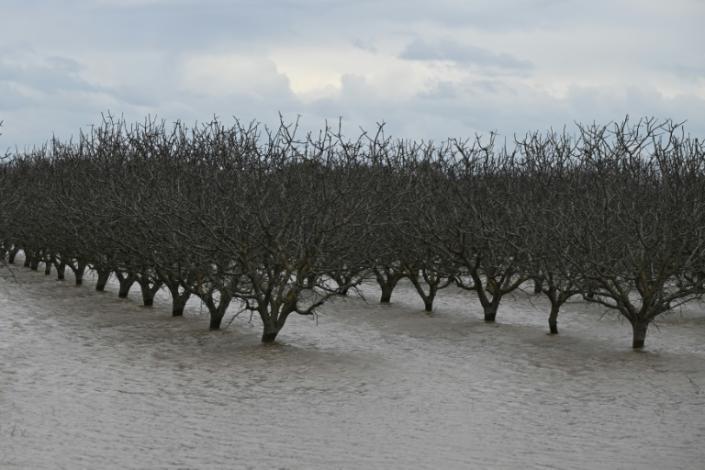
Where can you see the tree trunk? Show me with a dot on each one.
(178, 300)
(273, 321)
(428, 304)
(215, 320)
(60, 271)
(343, 290)
(47, 267)
(27, 260)
(149, 290)
(639, 328)
(269, 335)
(11, 255)
(553, 318)
(387, 280)
(217, 313)
(78, 271)
(426, 298)
(34, 264)
(179, 303)
(310, 281)
(538, 285)
(346, 281)
(386, 293)
(103, 276)
(125, 284)
(490, 313)
(147, 294)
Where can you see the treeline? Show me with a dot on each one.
(278, 223)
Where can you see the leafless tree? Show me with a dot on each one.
(305, 215)
(280, 223)
(544, 220)
(477, 230)
(426, 264)
(639, 223)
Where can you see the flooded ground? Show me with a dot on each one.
(91, 381)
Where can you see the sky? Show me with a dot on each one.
(429, 70)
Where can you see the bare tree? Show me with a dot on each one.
(280, 223)
(305, 215)
(639, 220)
(544, 219)
(478, 228)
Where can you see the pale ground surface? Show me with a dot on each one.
(91, 381)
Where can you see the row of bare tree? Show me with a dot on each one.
(280, 223)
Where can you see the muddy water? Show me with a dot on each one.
(91, 381)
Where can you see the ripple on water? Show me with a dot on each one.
(92, 381)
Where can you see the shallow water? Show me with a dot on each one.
(88, 380)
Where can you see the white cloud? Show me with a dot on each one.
(223, 75)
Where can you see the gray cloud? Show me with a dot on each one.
(44, 74)
(461, 109)
(12, 97)
(690, 71)
(462, 54)
(506, 65)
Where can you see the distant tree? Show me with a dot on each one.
(478, 231)
(638, 224)
(544, 218)
(305, 215)
(279, 224)
(422, 211)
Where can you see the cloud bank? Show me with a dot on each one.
(450, 69)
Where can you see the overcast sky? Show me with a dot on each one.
(429, 69)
